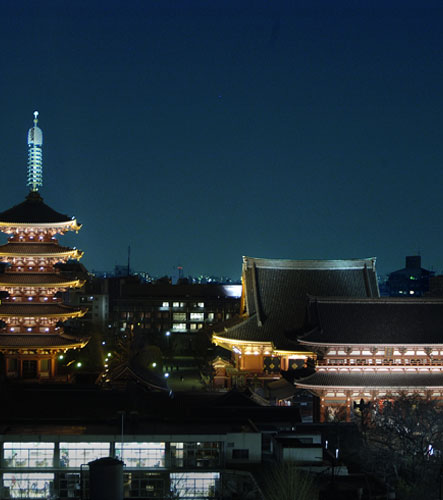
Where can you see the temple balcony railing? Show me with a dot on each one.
(373, 362)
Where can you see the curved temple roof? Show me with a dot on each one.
(385, 321)
(12, 309)
(276, 295)
(37, 341)
(38, 279)
(38, 250)
(34, 211)
(365, 379)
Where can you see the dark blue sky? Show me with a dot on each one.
(201, 131)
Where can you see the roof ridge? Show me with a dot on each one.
(310, 264)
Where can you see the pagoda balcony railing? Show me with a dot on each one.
(380, 362)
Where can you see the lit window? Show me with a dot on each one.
(197, 316)
(194, 484)
(28, 485)
(179, 327)
(176, 304)
(165, 304)
(210, 316)
(193, 326)
(179, 317)
(34, 454)
(76, 454)
(201, 304)
(141, 454)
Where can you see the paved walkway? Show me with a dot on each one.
(185, 378)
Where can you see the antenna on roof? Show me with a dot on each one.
(35, 160)
(129, 260)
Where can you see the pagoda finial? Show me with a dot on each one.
(35, 163)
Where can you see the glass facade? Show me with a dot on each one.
(152, 469)
(194, 484)
(77, 454)
(28, 454)
(27, 485)
(141, 454)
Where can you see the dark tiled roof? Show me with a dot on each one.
(33, 210)
(365, 379)
(34, 249)
(24, 279)
(126, 372)
(375, 321)
(277, 294)
(26, 309)
(38, 341)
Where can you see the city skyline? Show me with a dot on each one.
(196, 134)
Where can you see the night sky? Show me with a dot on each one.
(200, 131)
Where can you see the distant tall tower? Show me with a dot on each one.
(35, 164)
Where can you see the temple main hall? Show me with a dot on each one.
(321, 326)
(32, 311)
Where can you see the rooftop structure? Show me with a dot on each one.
(32, 312)
(371, 349)
(274, 299)
(411, 281)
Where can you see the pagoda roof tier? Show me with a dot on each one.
(49, 280)
(386, 321)
(57, 310)
(39, 250)
(34, 212)
(365, 379)
(40, 341)
(275, 294)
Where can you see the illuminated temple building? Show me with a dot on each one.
(31, 310)
(275, 296)
(361, 346)
(370, 349)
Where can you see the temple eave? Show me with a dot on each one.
(231, 343)
(62, 284)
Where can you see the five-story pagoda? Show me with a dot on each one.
(32, 310)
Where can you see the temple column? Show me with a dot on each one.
(322, 407)
(348, 406)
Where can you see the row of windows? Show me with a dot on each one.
(181, 316)
(202, 485)
(182, 304)
(135, 454)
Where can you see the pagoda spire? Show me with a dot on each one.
(35, 163)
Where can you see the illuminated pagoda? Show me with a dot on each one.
(31, 310)
(372, 349)
(274, 299)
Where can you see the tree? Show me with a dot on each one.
(285, 482)
(403, 443)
